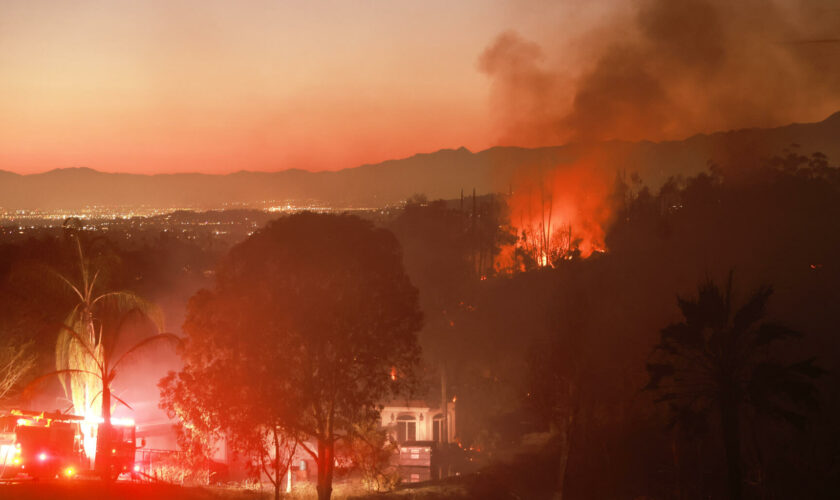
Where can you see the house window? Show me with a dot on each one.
(406, 428)
(437, 428)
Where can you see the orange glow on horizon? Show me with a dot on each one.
(218, 87)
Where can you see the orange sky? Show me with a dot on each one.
(218, 86)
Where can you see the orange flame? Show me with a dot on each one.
(559, 212)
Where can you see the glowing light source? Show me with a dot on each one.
(69, 472)
(136, 468)
(42, 457)
(114, 421)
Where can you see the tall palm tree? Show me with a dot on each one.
(717, 360)
(85, 350)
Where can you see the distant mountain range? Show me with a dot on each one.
(442, 174)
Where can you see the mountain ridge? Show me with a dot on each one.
(438, 174)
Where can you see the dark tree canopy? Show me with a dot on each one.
(717, 360)
(306, 321)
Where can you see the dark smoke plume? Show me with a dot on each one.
(674, 68)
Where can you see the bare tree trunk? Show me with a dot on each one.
(730, 425)
(565, 435)
(444, 423)
(103, 438)
(676, 456)
(277, 478)
(566, 423)
(326, 465)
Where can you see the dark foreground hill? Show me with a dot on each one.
(438, 175)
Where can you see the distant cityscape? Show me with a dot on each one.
(230, 222)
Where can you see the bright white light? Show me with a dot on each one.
(42, 457)
(114, 421)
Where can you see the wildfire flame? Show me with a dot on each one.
(559, 213)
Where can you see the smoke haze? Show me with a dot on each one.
(673, 70)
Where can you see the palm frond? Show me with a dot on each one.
(83, 270)
(69, 284)
(89, 291)
(768, 333)
(753, 310)
(807, 368)
(79, 340)
(683, 334)
(33, 384)
(119, 400)
(116, 309)
(143, 343)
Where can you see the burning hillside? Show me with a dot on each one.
(651, 70)
(558, 213)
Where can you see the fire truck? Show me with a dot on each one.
(51, 445)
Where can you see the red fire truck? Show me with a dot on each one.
(50, 445)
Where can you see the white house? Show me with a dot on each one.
(411, 421)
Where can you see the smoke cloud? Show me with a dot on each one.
(670, 70)
(662, 70)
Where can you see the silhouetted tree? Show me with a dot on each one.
(234, 386)
(553, 393)
(302, 330)
(16, 360)
(716, 360)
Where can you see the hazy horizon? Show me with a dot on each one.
(217, 87)
(397, 159)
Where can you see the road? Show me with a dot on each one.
(96, 490)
